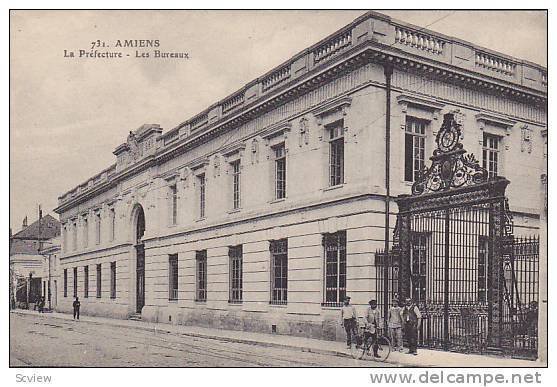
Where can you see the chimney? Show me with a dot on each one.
(24, 225)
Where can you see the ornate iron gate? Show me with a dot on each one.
(454, 252)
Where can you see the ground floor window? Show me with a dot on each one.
(279, 271)
(335, 268)
(86, 281)
(173, 277)
(75, 282)
(235, 270)
(201, 275)
(65, 282)
(112, 279)
(99, 280)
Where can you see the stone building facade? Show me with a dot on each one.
(261, 212)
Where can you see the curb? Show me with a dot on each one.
(138, 325)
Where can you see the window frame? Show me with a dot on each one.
(86, 281)
(415, 138)
(75, 282)
(202, 193)
(236, 172)
(335, 134)
(335, 247)
(201, 275)
(279, 260)
(113, 280)
(173, 277)
(279, 152)
(65, 282)
(173, 193)
(236, 274)
(99, 280)
(491, 165)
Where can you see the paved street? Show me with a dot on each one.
(37, 340)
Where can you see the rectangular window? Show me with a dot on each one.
(418, 264)
(173, 277)
(65, 282)
(85, 281)
(112, 224)
(201, 272)
(74, 235)
(482, 268)
(85, 232)
(279, 271)
(65, 239)
(336, 153)
(75, 282)
(414, 148)
(235, 184)
(491, 154)
(201, 183)
(280, 171)
(235, 270)
(99, 280)
(335, 268)
(173, 205)
(113, 280)
(98, 227)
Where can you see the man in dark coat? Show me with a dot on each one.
(412, 320)
(76, 305)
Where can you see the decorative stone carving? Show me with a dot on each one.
(526, 139)
(133, 146)
(304, 132)
(254, 151)
(185, 177)
(216, 165)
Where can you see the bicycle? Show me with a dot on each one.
(365, 343)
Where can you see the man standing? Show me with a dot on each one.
(395, 325)
(412, 320)
(348, 319)
(76, 305)
(373, 319)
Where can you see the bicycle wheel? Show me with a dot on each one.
(384, 348)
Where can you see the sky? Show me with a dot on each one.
(68, 114)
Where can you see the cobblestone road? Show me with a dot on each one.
(37, 340)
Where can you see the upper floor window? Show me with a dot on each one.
(414, 148)
(74, 235)
(173, 204)
(336, 152)
(491, 146)
(85, 232)
(201, 193)
(112, 224)
(280, 171)
(65, 238)
(335, 268)
(98, 227)
(235, 165)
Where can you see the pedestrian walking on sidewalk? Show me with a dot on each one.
(412, 319)
(76, 305)
(373, 320)
(348, 319)
(394, 323)
(41, 304)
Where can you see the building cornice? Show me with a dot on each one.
(372, 38)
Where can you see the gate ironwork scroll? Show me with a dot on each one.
(453, 249)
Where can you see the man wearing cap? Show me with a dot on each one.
(348, 319)
(373, 320)
(412, 320)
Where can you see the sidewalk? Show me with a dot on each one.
(426, 357)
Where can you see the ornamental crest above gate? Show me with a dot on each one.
(451, 167)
